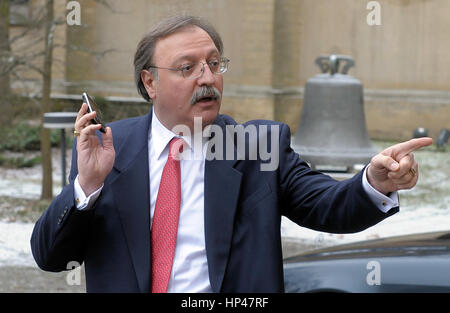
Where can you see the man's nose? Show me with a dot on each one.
(207, 78)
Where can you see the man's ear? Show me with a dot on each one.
(149, 81)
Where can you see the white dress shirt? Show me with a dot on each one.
(190, 267)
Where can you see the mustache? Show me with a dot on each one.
(205, 91)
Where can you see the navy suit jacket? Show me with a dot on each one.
(243, 209)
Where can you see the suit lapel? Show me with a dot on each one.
(222, 186)
(131, 193)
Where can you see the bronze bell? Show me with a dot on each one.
(332, 130)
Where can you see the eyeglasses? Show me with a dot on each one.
(196, 70)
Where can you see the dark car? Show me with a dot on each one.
(411, 263)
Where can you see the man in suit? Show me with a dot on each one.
(144, 219)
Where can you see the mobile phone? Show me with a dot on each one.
(92, 106)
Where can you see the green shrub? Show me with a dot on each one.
(19, 162)
(23, 137)
(20, 138)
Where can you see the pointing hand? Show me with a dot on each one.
(395, 168)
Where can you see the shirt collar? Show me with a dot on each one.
(161, 136)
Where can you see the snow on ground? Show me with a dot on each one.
(15, 244)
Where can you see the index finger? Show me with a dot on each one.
(405, 148)
(82, 111)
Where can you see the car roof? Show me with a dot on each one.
(406, 245)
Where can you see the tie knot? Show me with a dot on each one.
(176, 148)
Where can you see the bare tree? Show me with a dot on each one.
(50, 24)
(5, 49)
(38, 31)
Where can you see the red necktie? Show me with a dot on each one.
(165, 219)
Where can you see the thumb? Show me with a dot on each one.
(382, 161)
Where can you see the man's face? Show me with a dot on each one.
(172, 93)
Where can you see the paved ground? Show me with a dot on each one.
(20, 279)
(31, 280)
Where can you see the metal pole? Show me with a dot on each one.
(63, 156)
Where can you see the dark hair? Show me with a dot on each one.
(146, 47)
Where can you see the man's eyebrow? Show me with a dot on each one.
(189, 57)
(183, 58)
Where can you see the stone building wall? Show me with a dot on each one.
(403, 63)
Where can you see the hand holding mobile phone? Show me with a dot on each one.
(96, 158)
(92, 106)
